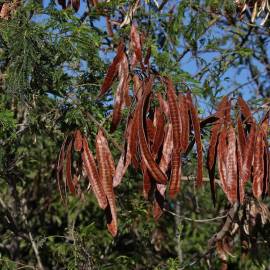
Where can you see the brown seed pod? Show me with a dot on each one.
(93, 175)
(212, 151)
(113, 69)
(106, 180)
(166, 150)
(248, 155)
(68, 168)
(174, 114)
(121, 95)
(136, 45)
(231, 166)
(258, 165)
(75, 5)
(197, 133)
(60, 165)
(183, 110)
(175, 174)
(159, 123)
(77, 141)
(145, 151)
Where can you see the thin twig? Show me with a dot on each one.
(93, 119)
(195, 220)
(226, 227)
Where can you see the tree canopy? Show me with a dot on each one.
(134, 134)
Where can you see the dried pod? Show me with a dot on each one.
(113, 69)
(145, 151)
(121, 95)
(150, 130)
(245, 110)
(258, 165)
(166, 150)
(136, 45)
(68, 168)
(175, 174)
(227, 163)
(174, 114)
(212, 151)
(109, 26)
(159, 123)
(231, 166)
(93, 175)
(248, 155)
(163, 105)
(75, 5)
(5, 11)
(197, 133)
(78, 141)
(106, 180)
(183, 110)
(147, 181)
(60, 165)
(62, 3)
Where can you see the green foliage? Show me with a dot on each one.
(52, 63)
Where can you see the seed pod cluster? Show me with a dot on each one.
(241, 151)
(254, 8)
(162, 125)
(99, 172)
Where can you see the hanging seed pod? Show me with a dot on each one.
(68, 168)
(113, 69)
(121, 95)
(174, 114)
(93, 175)
(106, 180)
(212, 151)
(197, 133)
(78, 141)
(184, 117)
(258, 165)
(145, 152)
(175, 175)
(136, 45)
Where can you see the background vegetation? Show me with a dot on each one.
(52, 64)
